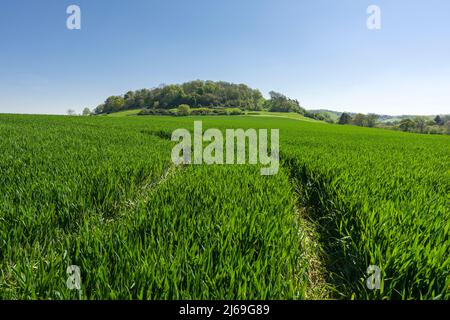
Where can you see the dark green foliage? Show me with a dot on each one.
(407, 125)
(421, 125)
(345, 118)
(362, 120)
(439, 121)
(280, 103)
(202, 111)
(183, 110)
(196, 94)
(193, 112)
(321, 116)
(160, 112)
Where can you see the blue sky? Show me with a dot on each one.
(319, 51)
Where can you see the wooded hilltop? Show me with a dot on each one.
(200, 94)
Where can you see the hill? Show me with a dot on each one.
(199, 94)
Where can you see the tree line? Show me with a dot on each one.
(199, 94)
(418, 124)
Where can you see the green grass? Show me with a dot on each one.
(286, 115)
(124, 113)
(102, 193)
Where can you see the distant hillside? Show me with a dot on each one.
(335, 115)
(388, 118)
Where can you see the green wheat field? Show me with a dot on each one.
(102, 193)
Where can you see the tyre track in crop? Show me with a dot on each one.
(148, 188)
(144, 189)
(311, 233)
(318, 287)
(336, 267)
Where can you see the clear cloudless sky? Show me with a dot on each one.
(317, 51)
